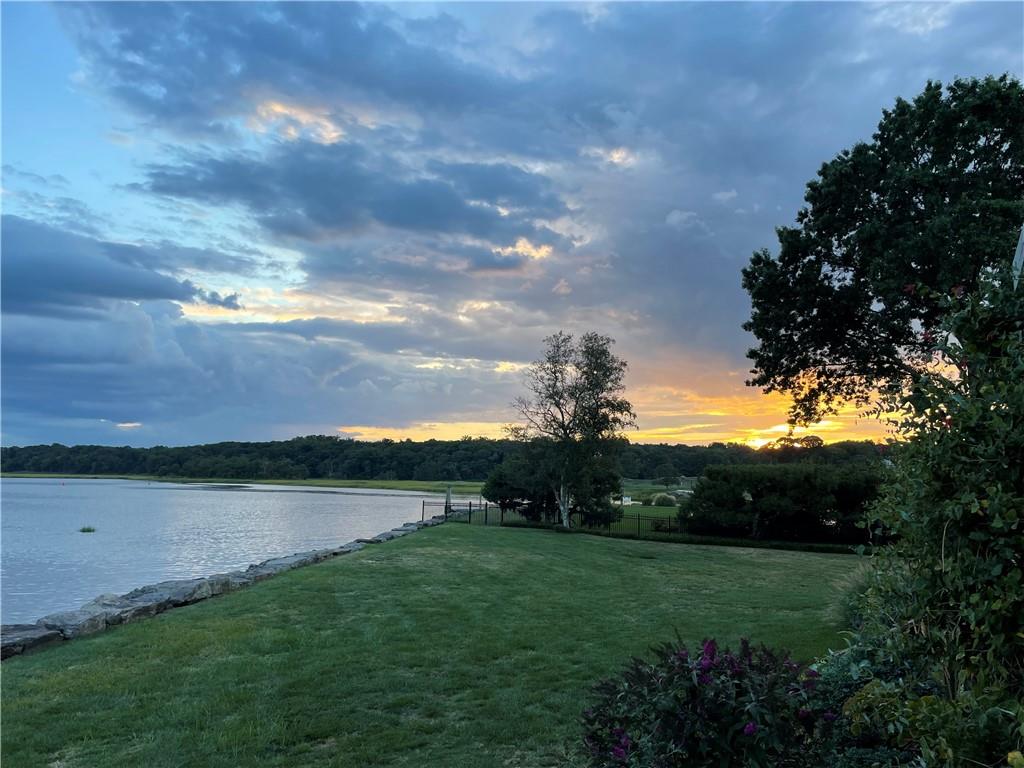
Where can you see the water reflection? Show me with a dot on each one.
(148, 532)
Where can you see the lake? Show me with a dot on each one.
(150, 532)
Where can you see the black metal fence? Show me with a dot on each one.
(631, 525)
(474, 513)
(638, 525)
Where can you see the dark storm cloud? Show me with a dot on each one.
(190, 382)
(47, 271)
(502, 184)
(309, 190)
(193, 66)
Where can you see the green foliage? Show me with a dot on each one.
(945, 611)
(87, 529)
(753, 708)
(663, 500)
(666, 475)
(527, 479)
(324, 457)
(573, 417)
(932, 201)
(791, 502)
(955, 505)
(516, 485)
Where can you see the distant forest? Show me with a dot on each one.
(321, 456)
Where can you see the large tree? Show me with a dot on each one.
(572, 418)
(890, 227)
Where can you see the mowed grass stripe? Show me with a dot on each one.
(458, 646)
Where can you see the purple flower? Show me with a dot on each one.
(710, 649)
(803, 714)
(706, 663)
(829, 716)
(703, 678)
(750, 728)
(619, 753)
(812, 673)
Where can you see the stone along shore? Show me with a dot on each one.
(111, 610)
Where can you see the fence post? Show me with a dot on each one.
(487, 508)
(471, 513)
(423, 510)
(501, 520)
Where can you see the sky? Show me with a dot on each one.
(255, 221)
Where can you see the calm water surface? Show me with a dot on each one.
(149, 532)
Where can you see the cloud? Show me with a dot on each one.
(393, 203)
(687, 220)
(144, 55)
(312, 191)
(47, 271)
(11, 171)
(920, 18)
(618, 156)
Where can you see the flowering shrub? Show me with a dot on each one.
(755, 707)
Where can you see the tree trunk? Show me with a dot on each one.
(563, 503)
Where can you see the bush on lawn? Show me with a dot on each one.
(755, 707)
(789, 502)
(663, 500)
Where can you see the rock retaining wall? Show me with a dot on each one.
(111, 610)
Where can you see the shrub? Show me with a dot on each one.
(663, 500)
(709, 708)
(945, 610)
(794, 502)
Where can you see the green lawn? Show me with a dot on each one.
(457, 646)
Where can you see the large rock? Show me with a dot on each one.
(108, 610)
(86, 620)
(18, 638)
(170, 594)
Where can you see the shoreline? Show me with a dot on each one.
(459, 487)
(111, 610)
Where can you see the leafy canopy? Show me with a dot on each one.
(573, 417)
(890, 226)
(575, 391)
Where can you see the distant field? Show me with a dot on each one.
(463, 646)
(638, 489)
(462, 487)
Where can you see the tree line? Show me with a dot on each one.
(325, 457)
